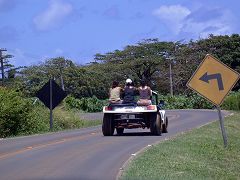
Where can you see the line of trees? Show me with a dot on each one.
(149, 59)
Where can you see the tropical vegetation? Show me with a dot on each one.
(87, 85)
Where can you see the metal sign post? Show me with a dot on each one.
(221, 120)
(51, 109)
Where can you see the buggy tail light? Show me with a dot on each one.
(150, 107)
(108, 108)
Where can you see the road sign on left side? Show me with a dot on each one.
(57, 94)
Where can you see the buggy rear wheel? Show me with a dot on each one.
(155, 124)
(165, 126)
(108, 125)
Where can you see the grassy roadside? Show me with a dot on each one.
(62, 120)
(198, 154)
(70, 119)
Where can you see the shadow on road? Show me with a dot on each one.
(136, 134)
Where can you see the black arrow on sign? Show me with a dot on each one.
(217, 76)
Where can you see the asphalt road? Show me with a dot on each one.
(85, 154)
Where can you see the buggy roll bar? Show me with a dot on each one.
(154, 93)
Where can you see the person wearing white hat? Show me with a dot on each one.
(129, 92)
(128, 81)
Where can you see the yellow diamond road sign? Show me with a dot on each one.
(213, 80)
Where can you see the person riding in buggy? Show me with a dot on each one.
(129, 113)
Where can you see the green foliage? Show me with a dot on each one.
(85, 104)
(198, 102)
(176, 102)
(232, 101)
(34, 77)
(193, 101)
(141, 61)
(79, 81)
(93, 104)
(38, 121)
(70, 119)
(149, 59)
(19, 116)
(225, 48)
(14, 112)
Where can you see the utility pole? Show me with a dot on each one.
(2, 67)
(170, 77)
(170, 69)
(170, 59)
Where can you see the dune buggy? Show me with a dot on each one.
(128, 116)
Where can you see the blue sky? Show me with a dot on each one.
(35, 30)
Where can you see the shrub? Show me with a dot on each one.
(20, 116)
(14, 112)
(192, 101)
(198, 102)
(232, 101)
(37, 121)
(85, 104)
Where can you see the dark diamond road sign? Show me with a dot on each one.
(57, 94)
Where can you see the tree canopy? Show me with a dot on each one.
(147, 60)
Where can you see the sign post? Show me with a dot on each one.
(213, 80)
(51, 95)
(222, 126)
(51, 109)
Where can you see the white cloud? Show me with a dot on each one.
(58, 51)
(24, 58)
(219, 25)
(20, 58)
(181, 21)
(53, 16)
(172, 16)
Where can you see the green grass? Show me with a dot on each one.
(70, 119)
(62, 120)
(198, 154)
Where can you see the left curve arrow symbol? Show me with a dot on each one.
(217, 76)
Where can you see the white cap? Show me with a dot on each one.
(129, 81)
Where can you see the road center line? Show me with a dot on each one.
(38, 146)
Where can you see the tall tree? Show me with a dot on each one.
(225, 48)
(139, 61)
